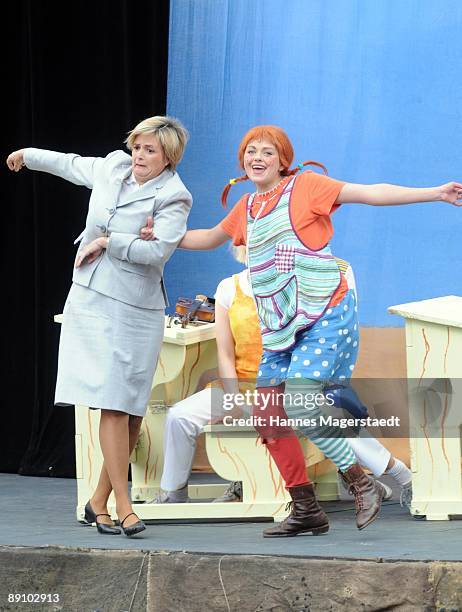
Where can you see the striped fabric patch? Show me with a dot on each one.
(278, 309)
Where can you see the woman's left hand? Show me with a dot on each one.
(91, 251)
(452, 193)
(235, 413)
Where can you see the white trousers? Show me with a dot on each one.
(370, 452)
(186, 420)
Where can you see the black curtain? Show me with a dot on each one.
(76, 77)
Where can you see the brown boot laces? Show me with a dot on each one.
(289, 506)
(352, 490)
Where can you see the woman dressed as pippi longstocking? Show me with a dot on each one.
(307, 312)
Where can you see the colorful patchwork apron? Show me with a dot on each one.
(291, 283)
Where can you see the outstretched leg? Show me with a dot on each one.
(303, 402)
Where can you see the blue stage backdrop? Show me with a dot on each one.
(371, 89)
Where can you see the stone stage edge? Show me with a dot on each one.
(397, 563)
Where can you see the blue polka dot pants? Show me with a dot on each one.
(327, 351)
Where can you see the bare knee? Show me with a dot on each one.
(114, 416)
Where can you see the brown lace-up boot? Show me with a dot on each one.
(368, 494)
(306, 515)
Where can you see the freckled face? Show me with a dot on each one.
(262, 164)
(148, 158)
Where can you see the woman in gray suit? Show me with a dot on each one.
(113, 320)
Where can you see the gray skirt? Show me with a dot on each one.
(108, 352)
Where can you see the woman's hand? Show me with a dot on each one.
(147, 232)
(236, 412)
(452, 193)
(15, 160)
(91, 251)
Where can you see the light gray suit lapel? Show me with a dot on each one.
(148, 190)
(118, 182)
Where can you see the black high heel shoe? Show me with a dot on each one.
(102, 528)
(132, 529)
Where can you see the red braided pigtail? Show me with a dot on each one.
(307, 163)
(232, 182)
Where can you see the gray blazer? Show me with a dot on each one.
(130, 269)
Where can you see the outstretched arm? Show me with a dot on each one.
(74, 168)
(392, 195)
(193, 240)
(204, 239)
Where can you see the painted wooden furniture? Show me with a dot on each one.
(434, 371)
(234, 453)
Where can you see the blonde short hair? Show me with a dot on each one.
(170, 132)
(239, 253)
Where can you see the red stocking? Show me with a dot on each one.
(281, 442)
